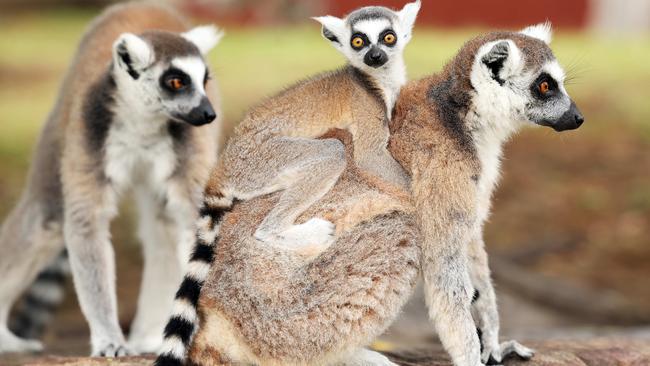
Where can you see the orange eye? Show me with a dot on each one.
(390, 38)
(544, 87)
(175, 84)
(357, 42)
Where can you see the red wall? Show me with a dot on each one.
(438, 13)
(492, 13)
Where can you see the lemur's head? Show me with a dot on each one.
(166, 73)
(514, 77)
(373, 36)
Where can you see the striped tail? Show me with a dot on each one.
(184, 318)
(42, 299)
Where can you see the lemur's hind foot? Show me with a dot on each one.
(505, 350)
(365, 357)
(307, 239)
(11, 343)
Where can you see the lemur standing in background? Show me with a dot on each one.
(359, 97)
(134, 112)
(259, 306)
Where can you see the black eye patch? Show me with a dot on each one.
(544, 87)
(354, 41)
(170, 75)
(388, 37)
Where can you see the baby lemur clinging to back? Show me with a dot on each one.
(358, 97)
(260, 307)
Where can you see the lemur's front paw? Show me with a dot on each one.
(496, 355)
(113, 349)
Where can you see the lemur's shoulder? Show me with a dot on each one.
(415, 106)
(433, 107)
(410, 97)
(410, 116)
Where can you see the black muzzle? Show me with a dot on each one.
(375, 57)
(201, 114)
(570, 120)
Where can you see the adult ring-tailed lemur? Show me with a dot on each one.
(134, 113)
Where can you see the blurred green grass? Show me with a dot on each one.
(254, 62)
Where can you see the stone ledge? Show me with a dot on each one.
(593, 352)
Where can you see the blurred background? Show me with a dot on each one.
(569, 237)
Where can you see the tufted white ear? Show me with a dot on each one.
(542, 31)
(500, 59)
(407, 18)
(333, 29)
(132, 53)
(204, 37)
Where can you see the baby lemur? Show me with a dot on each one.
(359, 97)
(134, 112)
(261, 306)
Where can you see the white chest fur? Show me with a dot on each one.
(488, 138)
(139, 152)
(489, 154)
(390, 80)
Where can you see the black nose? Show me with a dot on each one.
(579, 119)
(570, 120)
(375, 57)
(201, 114)
(209, 115)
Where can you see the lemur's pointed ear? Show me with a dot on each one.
(407, 18)
(132, 53)
(333, 29)
(205, 37)
(501, 60)
(542, 31)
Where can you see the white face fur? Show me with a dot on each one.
(170, 85)
(510, 91)
(371, 38)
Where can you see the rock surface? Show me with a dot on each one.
(82, 361)
(594, 352)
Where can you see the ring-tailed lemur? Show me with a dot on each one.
(259, 307)
(358, 97)
(128, 118)
(496, 84)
